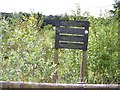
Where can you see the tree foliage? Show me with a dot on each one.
(116, 10)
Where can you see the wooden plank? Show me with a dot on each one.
(70, 31)
(70, 45)
(72, 38)
(73, 23)
(9, 85)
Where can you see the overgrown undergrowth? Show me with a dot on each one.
(26, 52)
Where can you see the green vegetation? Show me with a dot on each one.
(26, 50)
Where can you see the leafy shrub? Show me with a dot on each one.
(27, 52)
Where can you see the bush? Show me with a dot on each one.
(27, 52)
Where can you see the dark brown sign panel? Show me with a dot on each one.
(70, 35)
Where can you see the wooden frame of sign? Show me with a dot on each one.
(71, 35)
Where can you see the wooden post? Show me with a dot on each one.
(82, 69)
(55, 76)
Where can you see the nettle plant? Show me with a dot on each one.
(24, 51)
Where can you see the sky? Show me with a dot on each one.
(56, 7)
